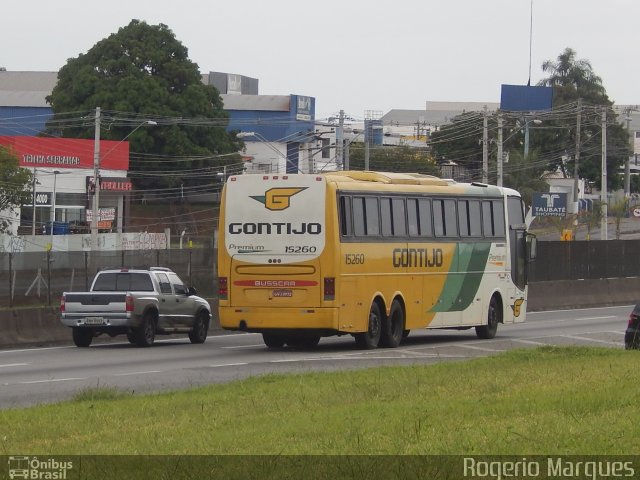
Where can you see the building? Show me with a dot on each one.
(278, 131)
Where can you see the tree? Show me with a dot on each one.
(144, 71)
(573, 79)
(15, 186)
(393, 159)
(526, 175)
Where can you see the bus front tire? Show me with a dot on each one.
(393, 326)
(273, 340)
(371, 338)
(489, 330)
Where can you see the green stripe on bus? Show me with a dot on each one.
(460, 289)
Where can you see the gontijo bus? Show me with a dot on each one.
(369, 254)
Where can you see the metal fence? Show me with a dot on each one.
(589, 260)
(40, 278)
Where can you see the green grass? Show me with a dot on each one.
(549, 400)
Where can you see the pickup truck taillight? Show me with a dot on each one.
(62, 301)
(129, 303)
(223, 291)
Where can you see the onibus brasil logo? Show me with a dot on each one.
(278, 198)
(35, 468)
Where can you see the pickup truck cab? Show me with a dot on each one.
(136, 302)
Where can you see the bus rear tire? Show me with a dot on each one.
(489, 330)
(273, 340)
(371, 338)
(393, 326)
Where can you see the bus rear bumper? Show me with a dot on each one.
(251, 319)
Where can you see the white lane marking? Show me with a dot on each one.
(587, 339)
(541, 312)
(35, 349)
(7, 365)
(229, 365)
(596, 318)
(51, 380)
(143, 372)
(494, 350)
(531, 342)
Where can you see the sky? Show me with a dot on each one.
(352, 55)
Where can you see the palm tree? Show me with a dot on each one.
(573, 78)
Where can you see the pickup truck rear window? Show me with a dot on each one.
(121, 282)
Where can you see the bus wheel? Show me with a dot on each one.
(273, 340)
(393, 326)
(371, 338)
(304, 342)
(489, 330)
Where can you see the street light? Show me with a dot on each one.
(96, 172)
(535, 121)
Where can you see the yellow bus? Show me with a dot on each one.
(370, 254)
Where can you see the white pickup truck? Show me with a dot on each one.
(138, 303)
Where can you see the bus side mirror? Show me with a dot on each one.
(532, 247)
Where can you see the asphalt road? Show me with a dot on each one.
(41, 375)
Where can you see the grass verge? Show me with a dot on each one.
(548, 400)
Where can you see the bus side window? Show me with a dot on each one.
(499, 228)
(385, 217)
(475, 228)
(398, 217)
(425, 217)
(372, 216)
(345, 217)
(359, 227)
(438, 217)
(412, 217)
(463, 218)
(450, 218)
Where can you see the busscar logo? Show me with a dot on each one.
(278, 198)
(516, 306)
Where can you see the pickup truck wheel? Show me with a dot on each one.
(146, 333)
(200, 328)
(82, 337)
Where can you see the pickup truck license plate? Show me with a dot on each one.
(94, 321)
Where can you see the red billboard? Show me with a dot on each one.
(67, 152)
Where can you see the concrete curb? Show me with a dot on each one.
(41, 325)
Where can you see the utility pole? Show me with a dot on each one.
(340, 142)
(96, 182)
(366, 153)
(627, 166)
(33, 189)
(603, 180)
(500, 158)
(485, 148)
(576, 171)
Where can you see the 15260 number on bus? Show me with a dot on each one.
(300, 249)
(354, 258)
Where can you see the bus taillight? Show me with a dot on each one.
(222, 288)
(329, 288)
